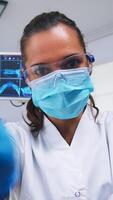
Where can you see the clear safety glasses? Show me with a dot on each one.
(71, 62)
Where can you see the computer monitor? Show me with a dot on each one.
(12, 85)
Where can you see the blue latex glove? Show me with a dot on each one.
(7, 162)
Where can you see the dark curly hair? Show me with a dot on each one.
(40, 23)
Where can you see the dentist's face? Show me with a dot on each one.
(51, 46)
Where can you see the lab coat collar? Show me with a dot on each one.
(53, 139)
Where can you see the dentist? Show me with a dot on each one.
(66, 147)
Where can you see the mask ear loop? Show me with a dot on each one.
(90, 69)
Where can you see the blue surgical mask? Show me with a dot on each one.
(62, 94)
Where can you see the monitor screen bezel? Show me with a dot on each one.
(13, 98)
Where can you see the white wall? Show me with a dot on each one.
(102, 49)
(10, 113)
(102, 78)
(102, 75)
(93, 17)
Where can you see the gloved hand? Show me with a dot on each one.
(7, 162)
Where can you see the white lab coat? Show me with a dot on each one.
(53, 170)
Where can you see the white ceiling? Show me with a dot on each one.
(94, 17)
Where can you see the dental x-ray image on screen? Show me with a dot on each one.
(12, 85)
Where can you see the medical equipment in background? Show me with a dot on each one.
(12, 84)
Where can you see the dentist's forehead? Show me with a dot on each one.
(55, 43)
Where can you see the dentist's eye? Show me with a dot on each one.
(71, 63)
(41, 70)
